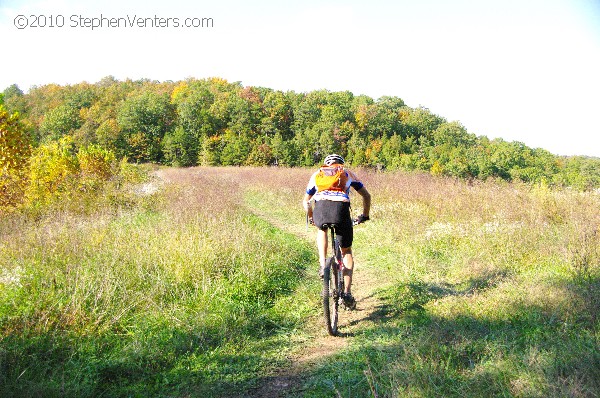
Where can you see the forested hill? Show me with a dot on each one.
(216, 122)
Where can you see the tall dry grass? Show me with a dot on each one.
(493, 287)
(488, 287)
(146, 299)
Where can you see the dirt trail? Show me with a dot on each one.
(289, 378)
(322, 345)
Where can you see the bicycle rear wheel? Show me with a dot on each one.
(330, 296)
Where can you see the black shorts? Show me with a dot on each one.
(338, 213)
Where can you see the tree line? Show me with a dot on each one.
(215, 122)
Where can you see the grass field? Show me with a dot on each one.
(205, 286)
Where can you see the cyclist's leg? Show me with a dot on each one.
(322, 247)
(320, 216)
(349, 268)
(345, 235)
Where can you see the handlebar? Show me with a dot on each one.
(358, 220)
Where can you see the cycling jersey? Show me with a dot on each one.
(336, 196)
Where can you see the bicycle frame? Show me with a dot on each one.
(333, 284)
(333, 281)
(337, 254)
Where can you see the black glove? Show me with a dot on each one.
(361, 219)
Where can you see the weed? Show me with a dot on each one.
(206, 285)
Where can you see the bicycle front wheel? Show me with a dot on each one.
(330, 297)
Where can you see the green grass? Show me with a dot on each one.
(183, 298)
(486, 299)
(485, 289)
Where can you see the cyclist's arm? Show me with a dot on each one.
(366, 196)
(306, 204)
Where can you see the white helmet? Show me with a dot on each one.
(333, 159)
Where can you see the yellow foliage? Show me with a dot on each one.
(437, 169)
(58, 173)
(364, 114)
(14, 145)
(376, 145)
(53, 169)
(96, 162)
(404, 115)
(218, 81)
(179, 92)
(12, 185)
(14, 152)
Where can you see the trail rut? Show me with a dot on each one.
(288, 380)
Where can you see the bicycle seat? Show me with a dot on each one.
(329, 225)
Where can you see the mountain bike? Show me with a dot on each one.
(333, 283)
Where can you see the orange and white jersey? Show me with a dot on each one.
(336, 196)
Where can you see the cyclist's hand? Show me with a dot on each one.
(311, 221)
(361, 219)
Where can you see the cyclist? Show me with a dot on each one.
(333, 207)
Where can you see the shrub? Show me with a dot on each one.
(58, 173)
(14, 152)
(53, 170)
(96, 162)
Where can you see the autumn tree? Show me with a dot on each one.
(212, 121)
(15, 149)
(14, 99)
(278, 115)
(60, 121)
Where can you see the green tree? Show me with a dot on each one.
(180, 147)
(245, 112)
(145, 119)
(261, 154)
(391, 151)
(386, 117)
(579, 172)
(211, 151)
(109, 136)
(285, 153)
(506, 156)
(448, 150)
(14, 99)
(419, 123)
(453, 134)
(236, 149)
(327, 143)
(60, 121)
(193, 101)
(278, 115)
(356, 150)
(79, 96)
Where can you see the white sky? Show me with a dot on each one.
(525, 70)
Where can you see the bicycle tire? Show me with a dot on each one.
(330, 295)
(340, 275)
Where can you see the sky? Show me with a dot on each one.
(520, 70)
